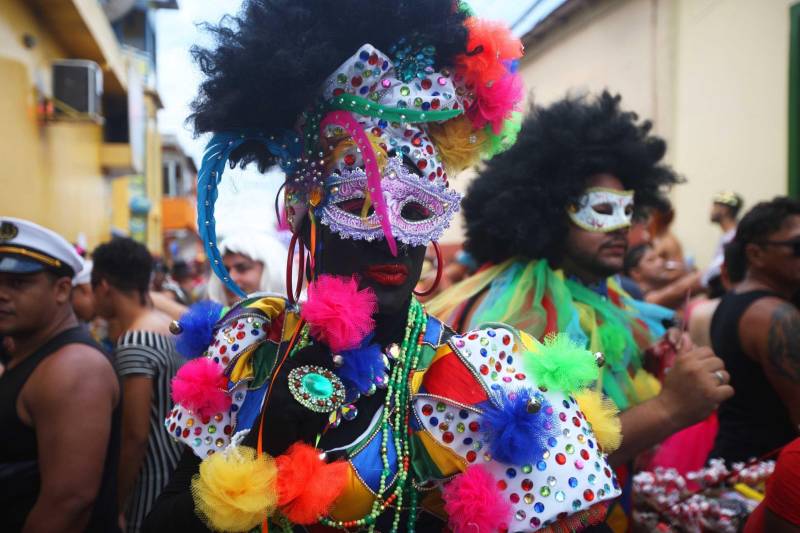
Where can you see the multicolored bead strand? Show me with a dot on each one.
(394, 419)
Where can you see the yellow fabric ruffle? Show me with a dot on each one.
(645, 385)
(603, 415)
(458, 143)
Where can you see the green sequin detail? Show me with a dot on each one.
(317, 385)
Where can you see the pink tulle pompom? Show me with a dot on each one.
(338, 313)
(473, 503)
(494, 104)
(199, 386)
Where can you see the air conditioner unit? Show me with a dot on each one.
(77, 88)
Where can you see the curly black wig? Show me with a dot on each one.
(269, 62)
(517, 205)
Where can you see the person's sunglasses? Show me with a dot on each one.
(793, 244)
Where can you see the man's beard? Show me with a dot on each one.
(595, 265)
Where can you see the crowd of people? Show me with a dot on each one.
(82, 443)
(569, 346)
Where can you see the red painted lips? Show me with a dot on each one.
(389, 274)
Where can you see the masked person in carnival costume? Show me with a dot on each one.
(358, 410)
(549, 220)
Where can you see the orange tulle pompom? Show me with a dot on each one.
(307, 485)
(458, 143)
(490, 45)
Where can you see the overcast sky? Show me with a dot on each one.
(248, 193)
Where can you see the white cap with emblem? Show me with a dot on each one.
(26, 247)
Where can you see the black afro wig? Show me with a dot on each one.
(517, 205)
(269, 61)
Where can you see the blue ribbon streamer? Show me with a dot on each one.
(286, 149)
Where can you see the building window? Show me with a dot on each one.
(179, 185)
(794, 102)
(165, 180)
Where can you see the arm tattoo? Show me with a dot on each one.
(783, 342)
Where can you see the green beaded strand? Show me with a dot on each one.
(394, 417)
(364, 106)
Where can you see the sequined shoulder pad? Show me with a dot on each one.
(473, 380)
(248, 333)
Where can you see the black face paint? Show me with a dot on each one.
(392, 278)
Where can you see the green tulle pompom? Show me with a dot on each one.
(562, 364)
(614, 338)
(500, 143)
(464, 6)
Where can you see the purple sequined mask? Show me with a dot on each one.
(419, 210)
(421, 204)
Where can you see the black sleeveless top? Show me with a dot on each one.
(19, 469)
(754, 421)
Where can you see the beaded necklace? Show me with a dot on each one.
(395, 418)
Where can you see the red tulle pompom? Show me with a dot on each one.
(307, 485)
(494, 104)
(473, 503)
(338, 313)
(490, 45)
(200, 386)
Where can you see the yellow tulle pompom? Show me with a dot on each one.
(235, 490)
(603, 415)
(459, 145)
(645, 385)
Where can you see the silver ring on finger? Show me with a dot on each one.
(720, 376)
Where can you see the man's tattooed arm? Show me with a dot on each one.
(783, 342)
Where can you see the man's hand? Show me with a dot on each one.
(694, 387)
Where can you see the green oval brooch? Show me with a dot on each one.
(316, 388)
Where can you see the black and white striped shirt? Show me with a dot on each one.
(144, 353)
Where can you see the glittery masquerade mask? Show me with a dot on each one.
(391, 106)
(418, 210)
(440, 118)
(602, 210)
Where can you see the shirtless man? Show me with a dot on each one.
(58, 394)
(756, 331)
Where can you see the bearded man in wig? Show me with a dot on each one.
(549, 221)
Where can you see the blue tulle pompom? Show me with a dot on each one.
(518, 424)
(196, 328)
(362, 366)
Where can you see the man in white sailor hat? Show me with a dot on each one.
(82, 294)
(58, 393)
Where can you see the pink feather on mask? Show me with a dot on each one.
(200, 386)
(473, 503)
(338, 313)
(495, 103)
(346, 120)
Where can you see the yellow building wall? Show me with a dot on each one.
(154, 182)
(711, 74)
(120, 200)
(51, 172)
(731, 109)
(76, 189)
(16, 20)
(21, 180)
(608, 46)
